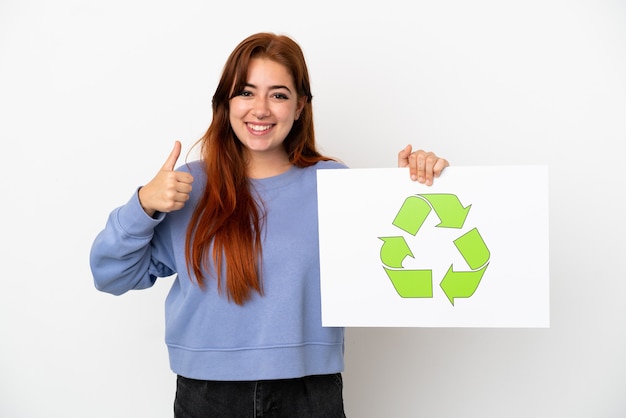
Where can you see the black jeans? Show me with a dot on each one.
(307, 397)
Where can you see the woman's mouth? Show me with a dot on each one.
(258, 128)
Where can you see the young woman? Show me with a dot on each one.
(243, 316)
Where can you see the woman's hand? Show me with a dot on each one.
(168, 190)
(423, 166)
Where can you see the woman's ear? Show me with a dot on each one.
(301, 103)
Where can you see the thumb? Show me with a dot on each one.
(403, 156)
(170, 163)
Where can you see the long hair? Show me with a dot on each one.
(226, 225)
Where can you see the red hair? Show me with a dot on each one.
(227, 222)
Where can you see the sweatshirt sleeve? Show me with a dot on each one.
(121, 255)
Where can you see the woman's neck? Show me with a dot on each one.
(261, 165)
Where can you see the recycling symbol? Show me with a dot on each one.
(418, 283)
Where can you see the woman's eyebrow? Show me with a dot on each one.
(276, 87)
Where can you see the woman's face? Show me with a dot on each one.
(263, 113)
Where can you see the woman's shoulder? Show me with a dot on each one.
(329, 164)
(194, 167)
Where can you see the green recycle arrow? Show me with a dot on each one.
(418, 283)
(463, 284)
(394, 251)
(412, 283)
(415, 210)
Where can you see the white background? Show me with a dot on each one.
(93, 94)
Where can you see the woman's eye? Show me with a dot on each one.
(280, 96)
(245, 93)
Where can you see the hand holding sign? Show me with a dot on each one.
(423, 166)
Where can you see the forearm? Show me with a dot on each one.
(121, 255)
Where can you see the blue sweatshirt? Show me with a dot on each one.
(275, 336)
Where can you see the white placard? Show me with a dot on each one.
(471, 250)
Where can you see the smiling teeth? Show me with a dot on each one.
(260, 128)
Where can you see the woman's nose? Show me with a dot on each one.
(260, 109)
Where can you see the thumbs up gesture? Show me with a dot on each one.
(168, 190)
